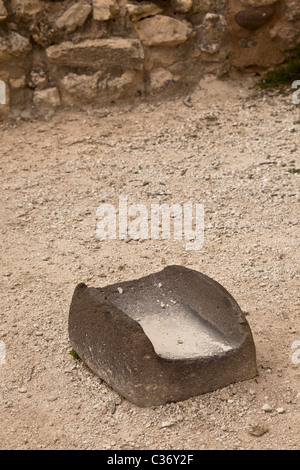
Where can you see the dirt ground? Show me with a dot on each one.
(228, 146)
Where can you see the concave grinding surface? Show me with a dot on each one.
(164, 337)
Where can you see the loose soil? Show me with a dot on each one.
(227, 146)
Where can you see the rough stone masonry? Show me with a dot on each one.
(78, 52)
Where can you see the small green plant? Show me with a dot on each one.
(74, 354)
(265, 367)
(283, 75)
(211, 118)
(294, 170)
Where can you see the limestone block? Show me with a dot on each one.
(201, 6)
(211, 35)
(98, 54)
(182, 6)
(142, 10)
(160, 79)
(26, 7)
(48, 98)
(162, 57)
(292, 10)
(77, 89)
(17, 83)
(104, 10)
(74, 16)
(13, 45)
(163, 31)
(286, 34)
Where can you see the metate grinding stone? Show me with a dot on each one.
(162, 338)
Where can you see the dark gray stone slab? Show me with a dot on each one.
(162, 338)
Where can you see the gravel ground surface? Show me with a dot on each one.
(227, 146)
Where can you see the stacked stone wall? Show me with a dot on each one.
(70, 53)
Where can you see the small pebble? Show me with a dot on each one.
(52, 398)
(167, 424)
(111, 406)
(225, 396)
(266, 408)
(257, 428)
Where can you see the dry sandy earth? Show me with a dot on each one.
(229, 147)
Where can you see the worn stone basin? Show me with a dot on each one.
(164, 337)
